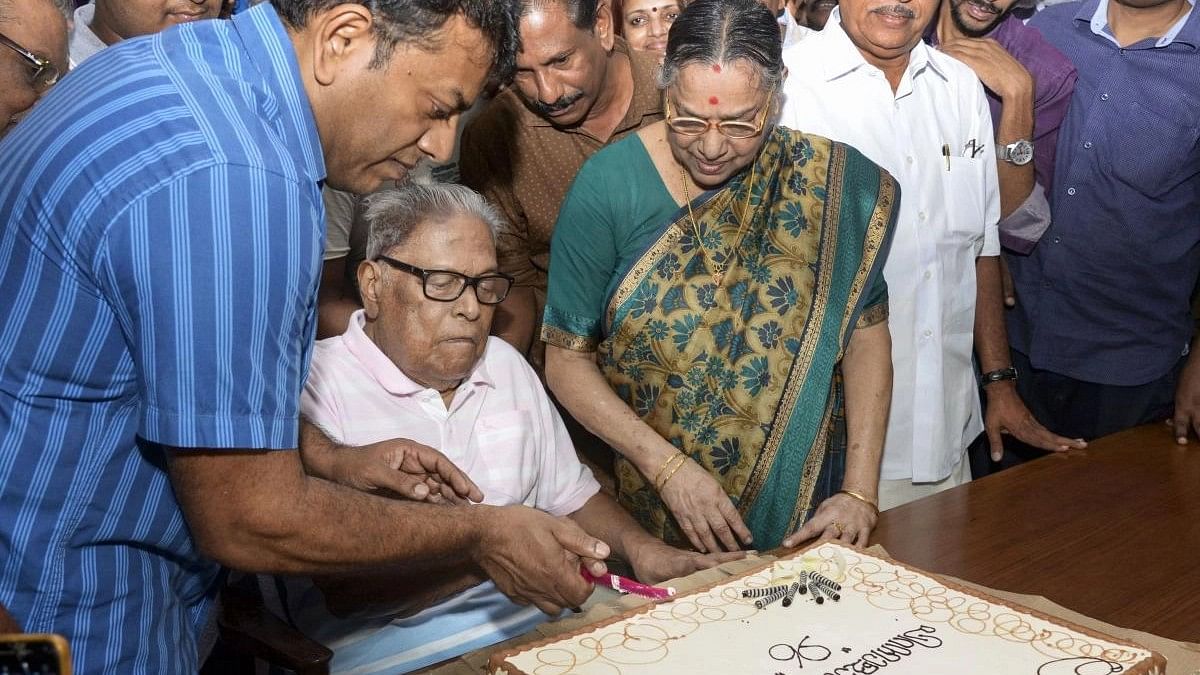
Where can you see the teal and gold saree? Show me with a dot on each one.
(724, 330)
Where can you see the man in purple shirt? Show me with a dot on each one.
(1102, 325)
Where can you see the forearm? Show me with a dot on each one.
(515, 318)
(867, 378)
(603, 518)
(1016, 123)
(579, 385)
(395, 593)
(260, 512)
(991, 338)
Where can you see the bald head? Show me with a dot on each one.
(34, 37)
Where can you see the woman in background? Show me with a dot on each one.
(644, 23)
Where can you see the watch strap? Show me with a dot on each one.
(1009, 373)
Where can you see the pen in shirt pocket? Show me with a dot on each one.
(946, 154)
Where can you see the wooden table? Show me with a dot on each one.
(1112, 532)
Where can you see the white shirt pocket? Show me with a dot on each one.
(966, 215)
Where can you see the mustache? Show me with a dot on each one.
(895, 10)
(986, 4)
(565, 101)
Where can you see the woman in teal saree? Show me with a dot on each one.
(716, 308)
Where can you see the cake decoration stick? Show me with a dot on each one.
(791, 593)
(763, 592)
(763, 602)
(815, 589)
(626, 585)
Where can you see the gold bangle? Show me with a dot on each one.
(663, 484)
(860, 497)
(658, 474)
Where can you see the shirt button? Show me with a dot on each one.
(1057, 239)
(928, 274)
(909, 159)
(1071, 191)
(1104, 97)
(1087, 145)
(928, 333)
(921, 215)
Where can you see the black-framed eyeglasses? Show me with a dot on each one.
(447, 286)
(694, 126)
(44, 72)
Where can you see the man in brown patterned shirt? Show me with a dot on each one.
(577, 88)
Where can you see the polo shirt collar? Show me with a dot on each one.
(843, 57)
(647, 97)
(84, 42)
(266, 41)
(387, 374)
(1185, 31)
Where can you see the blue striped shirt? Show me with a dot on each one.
(159, 259)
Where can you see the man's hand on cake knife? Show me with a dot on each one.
(841, 518)
(534, 558)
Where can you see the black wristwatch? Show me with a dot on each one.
(1008, 373)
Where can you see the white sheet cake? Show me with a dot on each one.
(887, 618)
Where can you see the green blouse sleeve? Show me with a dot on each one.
(583, 259)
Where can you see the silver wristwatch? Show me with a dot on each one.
(1018, 152)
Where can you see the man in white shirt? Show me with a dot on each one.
(868, 80)
(417, 362)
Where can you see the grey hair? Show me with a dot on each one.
(393, 214)
(713, 32)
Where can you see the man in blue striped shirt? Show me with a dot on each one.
(160, 243)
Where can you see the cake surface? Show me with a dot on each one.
(887, 618)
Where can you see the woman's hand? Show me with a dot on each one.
(655, 562)
(839, 518)
(703, 510)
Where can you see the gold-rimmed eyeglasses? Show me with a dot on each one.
(44, 72)
(694, 126)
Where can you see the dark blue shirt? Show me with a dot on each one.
(1105, 295)
(160, 246)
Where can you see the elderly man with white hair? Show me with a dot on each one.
(417, 362)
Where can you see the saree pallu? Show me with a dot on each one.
(741, 376)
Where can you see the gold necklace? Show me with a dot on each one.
(718, 272)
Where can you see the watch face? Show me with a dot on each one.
(1021, 152)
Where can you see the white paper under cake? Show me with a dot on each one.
(889, 620)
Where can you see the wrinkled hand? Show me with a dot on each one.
(1007, 414)
(703, 510)
(1187, 401)
(656, 562)
(404, 468)
(994, 66)
(839, 518)
(534, 558)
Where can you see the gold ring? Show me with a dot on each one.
(840, 529)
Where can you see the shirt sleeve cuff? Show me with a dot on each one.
(1023, 228)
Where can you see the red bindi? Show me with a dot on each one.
(716, 68)
(714, 100)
